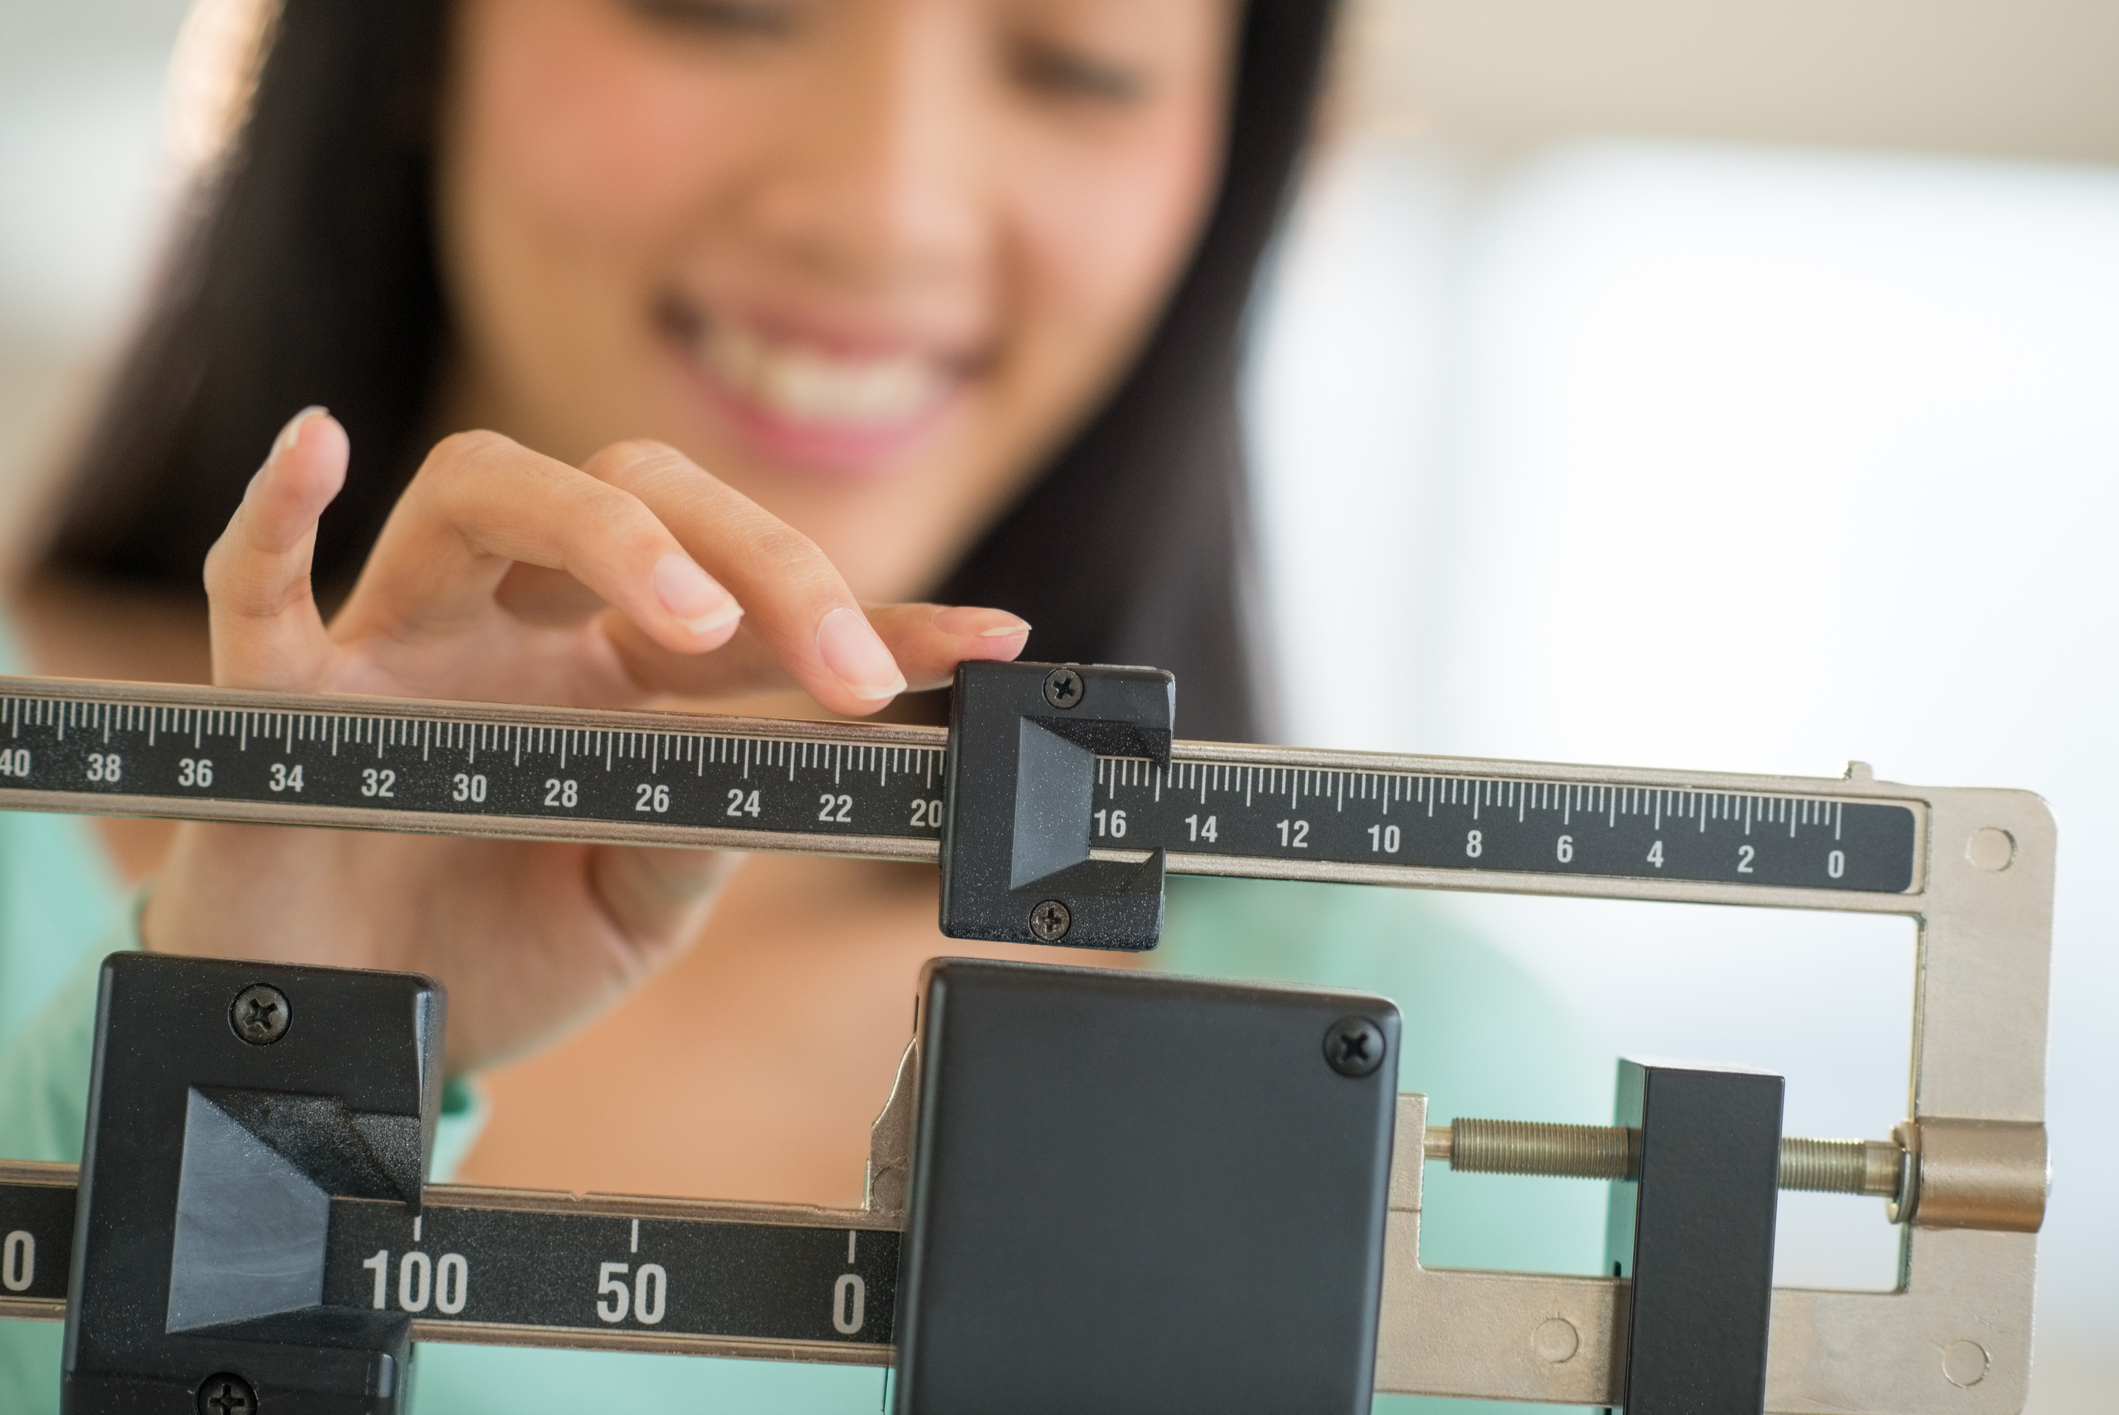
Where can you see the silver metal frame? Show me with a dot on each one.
(1956, 1333)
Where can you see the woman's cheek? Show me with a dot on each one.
(592, 130)
(1100, 240)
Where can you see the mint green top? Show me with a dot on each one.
(1480, 1039)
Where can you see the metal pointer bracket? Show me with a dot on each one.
(1020, 804)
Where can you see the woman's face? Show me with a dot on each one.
(868, 261)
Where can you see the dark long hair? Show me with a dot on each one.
(308, 274)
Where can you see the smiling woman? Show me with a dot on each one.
(940, 283)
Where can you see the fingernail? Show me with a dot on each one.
(979, 623)
(850, 649)
(691, 596)
(292, 433)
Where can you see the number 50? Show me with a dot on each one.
(648, 1299)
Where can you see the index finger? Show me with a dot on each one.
(795, 601)
(481, 504)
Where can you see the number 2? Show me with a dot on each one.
(1745, 854)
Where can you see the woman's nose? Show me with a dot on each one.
(882, 178)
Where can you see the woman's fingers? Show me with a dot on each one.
(930, 640)
(266, 630)
(927, 641)
(489, 522)
(800, 609)
(481, 504)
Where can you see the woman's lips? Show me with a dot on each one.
(818, 408)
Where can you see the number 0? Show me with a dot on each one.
(849, 1304)
(18, 1261)
(651, 1290)
(415, 1281)
(452, 1284)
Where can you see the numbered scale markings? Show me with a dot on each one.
(859, 789)
(586, 1273)
(503, 771)
(1357, 817)
(625, 1278)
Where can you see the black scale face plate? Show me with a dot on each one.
(1142, 1195)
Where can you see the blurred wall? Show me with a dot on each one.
(2006, 78)
(83, 182)
(1731, 386)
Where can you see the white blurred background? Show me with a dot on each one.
(1700, 383)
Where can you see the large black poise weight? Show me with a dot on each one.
(229, 1104)
(1024, 739)
(1143, 1195)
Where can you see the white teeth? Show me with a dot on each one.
(805, 385)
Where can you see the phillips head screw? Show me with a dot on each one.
(260, 1016)
(227, 1394)
(1050, 921)
(1353, 1046)
(1063, 687)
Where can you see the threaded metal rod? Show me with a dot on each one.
(1614, 1152)
(1841, 1166)
(1525, 1147)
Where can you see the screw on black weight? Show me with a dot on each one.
(1050, 921)
(260, 1017)
(1354, 1046)
(1063, 687)
(227, 1394)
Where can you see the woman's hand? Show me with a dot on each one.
(505, 576)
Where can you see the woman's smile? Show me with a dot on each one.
(814, 402)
